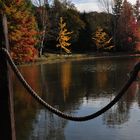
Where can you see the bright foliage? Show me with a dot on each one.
(63, 36)
(22, 31)
(127, 28)
(102, 39)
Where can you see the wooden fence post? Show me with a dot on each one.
(7, 123)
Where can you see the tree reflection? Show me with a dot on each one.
(116, 115)
(38, 123)
(66, 79)
(70, 86)
(102, 79)
(47, 126)
(102, 75)
(119, 114)
(25, 106)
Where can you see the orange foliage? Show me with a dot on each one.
(22, 31)
(66, 79)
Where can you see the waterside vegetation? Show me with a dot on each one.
(39, 27)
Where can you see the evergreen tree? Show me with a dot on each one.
(85, 41)
(116, 13)
(117, 7)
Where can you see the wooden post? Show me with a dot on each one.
(7, 126)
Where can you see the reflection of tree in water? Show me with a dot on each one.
(25, 106)
(47, 126)
(61, 91)
(101, 79)
(66, 79)
(116, 115)
(138, 92)
(65, 86)
(39, 124)
(119, 113)
(139, 99)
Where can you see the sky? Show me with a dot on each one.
(91, 5)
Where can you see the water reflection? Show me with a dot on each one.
(25, 107)
(119, 114)
(77, 88)
(47, 126)
(65, 79)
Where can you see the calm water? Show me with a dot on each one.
(78, 88)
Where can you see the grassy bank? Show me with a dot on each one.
(57, 58)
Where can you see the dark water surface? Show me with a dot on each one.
(78, 88)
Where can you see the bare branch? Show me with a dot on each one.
(106, 5)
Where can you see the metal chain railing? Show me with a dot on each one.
(132, 77)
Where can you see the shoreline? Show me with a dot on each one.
(50, 58)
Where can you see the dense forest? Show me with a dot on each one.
(39, 26)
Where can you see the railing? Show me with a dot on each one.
(5, 55)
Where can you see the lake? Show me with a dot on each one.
(78, 88)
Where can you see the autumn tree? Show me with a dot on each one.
(137, 16)
(126, 36)
(102, 40)
(64, 36)
(67, 10)
(22, 31)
